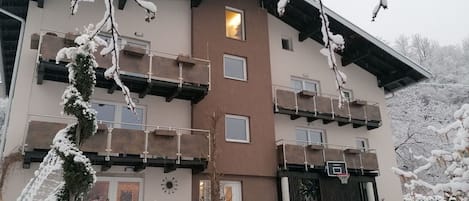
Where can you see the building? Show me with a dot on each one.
(262, 75)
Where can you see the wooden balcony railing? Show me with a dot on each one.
(144, 71)
(155, 146)
(326, 108)
(298, 154)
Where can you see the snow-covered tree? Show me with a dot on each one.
(78, 174)
(455, 161)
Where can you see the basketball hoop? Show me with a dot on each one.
(343, 178)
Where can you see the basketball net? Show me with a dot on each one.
(343, 178)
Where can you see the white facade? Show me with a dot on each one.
(305, 61)
(33, 101)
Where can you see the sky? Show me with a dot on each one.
(446, 21)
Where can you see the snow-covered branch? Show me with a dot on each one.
(381, 4)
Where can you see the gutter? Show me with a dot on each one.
(13, 78)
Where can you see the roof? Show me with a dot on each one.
(393, 70)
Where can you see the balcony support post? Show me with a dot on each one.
(296, 103)
(284, 156)
(305, 158)
(178, 154)
(209, 136)
(108, 143)
(145, 153)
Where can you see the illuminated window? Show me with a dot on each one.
(116, 188)
(234, 19)
(229, 190)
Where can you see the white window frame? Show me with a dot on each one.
(308, 140)
(118, 112)
(243, 27)
(303, 81)
(366, 142)
(113, 185)
(243, 59)
(239, 185)
(246, 119)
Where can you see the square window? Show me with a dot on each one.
(287, 44)
(118, 115)
(116, 188)
(234, 67)
(348, 95)
(230, 190)
(300, 84)
(237, 128)
(306, 136)
(234, 23)
(362, 144)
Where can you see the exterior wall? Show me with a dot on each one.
(253, 163)
(306, 61)
(152, 179)
(31, 98)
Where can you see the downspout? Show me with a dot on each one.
(13, 78)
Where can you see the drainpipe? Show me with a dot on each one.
(13, 78)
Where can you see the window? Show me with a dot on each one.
(362, 144)
(127, 41)
(118, 115)
(348, 95)
(307, 136)
(113, 188)
(234, 22)
(236, 128)
(300, 84)
(229, 190)
(234, 67)
(287, 44)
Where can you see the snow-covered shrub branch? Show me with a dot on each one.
(381, 4)
(78, 174)
(455, 162)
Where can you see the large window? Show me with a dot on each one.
(234, 22)
(234, 67)
(237, 128)
(308, 136)
(300, 84)
(119, 189)
(229, 190)
(118, 115)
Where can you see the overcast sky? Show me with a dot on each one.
(446, 21)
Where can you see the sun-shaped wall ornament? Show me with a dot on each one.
(169, 185)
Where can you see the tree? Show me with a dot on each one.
(455, 162)
(78, 174)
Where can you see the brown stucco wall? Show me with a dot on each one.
(252, 98)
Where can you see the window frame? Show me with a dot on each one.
(243, 59)
(118, 123)
(243, 26)
(134, 42)
(303, 80)
(205, 183)
(247, 128)
(114, 184)
(309, 142)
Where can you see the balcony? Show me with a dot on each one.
(155, 146)
(143, 71)
(326, 108)
(299, 155)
